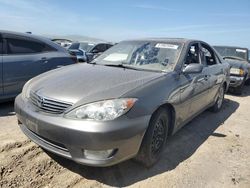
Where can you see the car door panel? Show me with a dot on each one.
(214, 69)
(52, 60)
(23, 59)
(195, 90)
(216, 79)
(18, 69)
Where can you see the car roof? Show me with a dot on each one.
(32, 36)
(176, 40)
(23, 34)
(229, 47)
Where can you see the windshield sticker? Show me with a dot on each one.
(116, 57)
(241, 50)
(169, 46)
(91, 44)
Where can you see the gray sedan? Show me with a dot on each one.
(125, 103)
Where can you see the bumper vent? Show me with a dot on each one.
(48, 105)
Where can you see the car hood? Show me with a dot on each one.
(238, 64)
(87, 83)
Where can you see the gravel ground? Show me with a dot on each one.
(213, 150)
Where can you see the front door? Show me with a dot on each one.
(195, 87)
(214, 70)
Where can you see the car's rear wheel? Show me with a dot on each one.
(247, 82)
(155, 138)
(218, 105)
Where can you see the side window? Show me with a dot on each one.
(192, 54)
(208, 55)
(108, 46)
(20, 46)
(99, 48)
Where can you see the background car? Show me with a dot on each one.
(23, 56)
(238, 58)
(62, 42)
(125, 103)
(87, 51)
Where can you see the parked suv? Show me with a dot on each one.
(23, 56)
(87, 51)
(237, 57)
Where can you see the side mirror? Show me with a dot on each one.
(193, 68)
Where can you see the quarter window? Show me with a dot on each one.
(19, 46)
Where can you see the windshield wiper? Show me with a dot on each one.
(121, 65)
(127, 66)
(233, 57)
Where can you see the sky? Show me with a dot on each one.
(218, 22)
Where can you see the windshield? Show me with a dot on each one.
(159, 56)
(231, 51)
(86, 46)
(82, 45)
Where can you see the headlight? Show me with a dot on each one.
(103, 110)
(26, 90)
(237, 71)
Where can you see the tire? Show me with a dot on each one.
(238, 90)
(155, 138)
(218, 105)
(247, 82)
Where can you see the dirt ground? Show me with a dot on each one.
(211, 151)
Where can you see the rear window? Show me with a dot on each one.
(19, 46)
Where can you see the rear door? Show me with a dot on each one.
(1, 65)
(22, 61)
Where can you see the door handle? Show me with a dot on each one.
(44, 59)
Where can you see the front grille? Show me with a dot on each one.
(48, 105)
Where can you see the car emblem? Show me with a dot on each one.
(40, 102)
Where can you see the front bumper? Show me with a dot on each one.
(69, 138)
(236, 81)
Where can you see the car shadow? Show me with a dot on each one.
(179, 147)
(7, 109)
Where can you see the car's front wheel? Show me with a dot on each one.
(238, 90)
(218, 104)
(154, 138)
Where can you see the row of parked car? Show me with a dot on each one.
(124, 103)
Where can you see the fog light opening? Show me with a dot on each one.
(99, 154)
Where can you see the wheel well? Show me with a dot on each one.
(171, 110)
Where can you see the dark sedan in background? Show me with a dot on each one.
(238, 58)
(125, 103)
(23, 56)
(87, 51)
